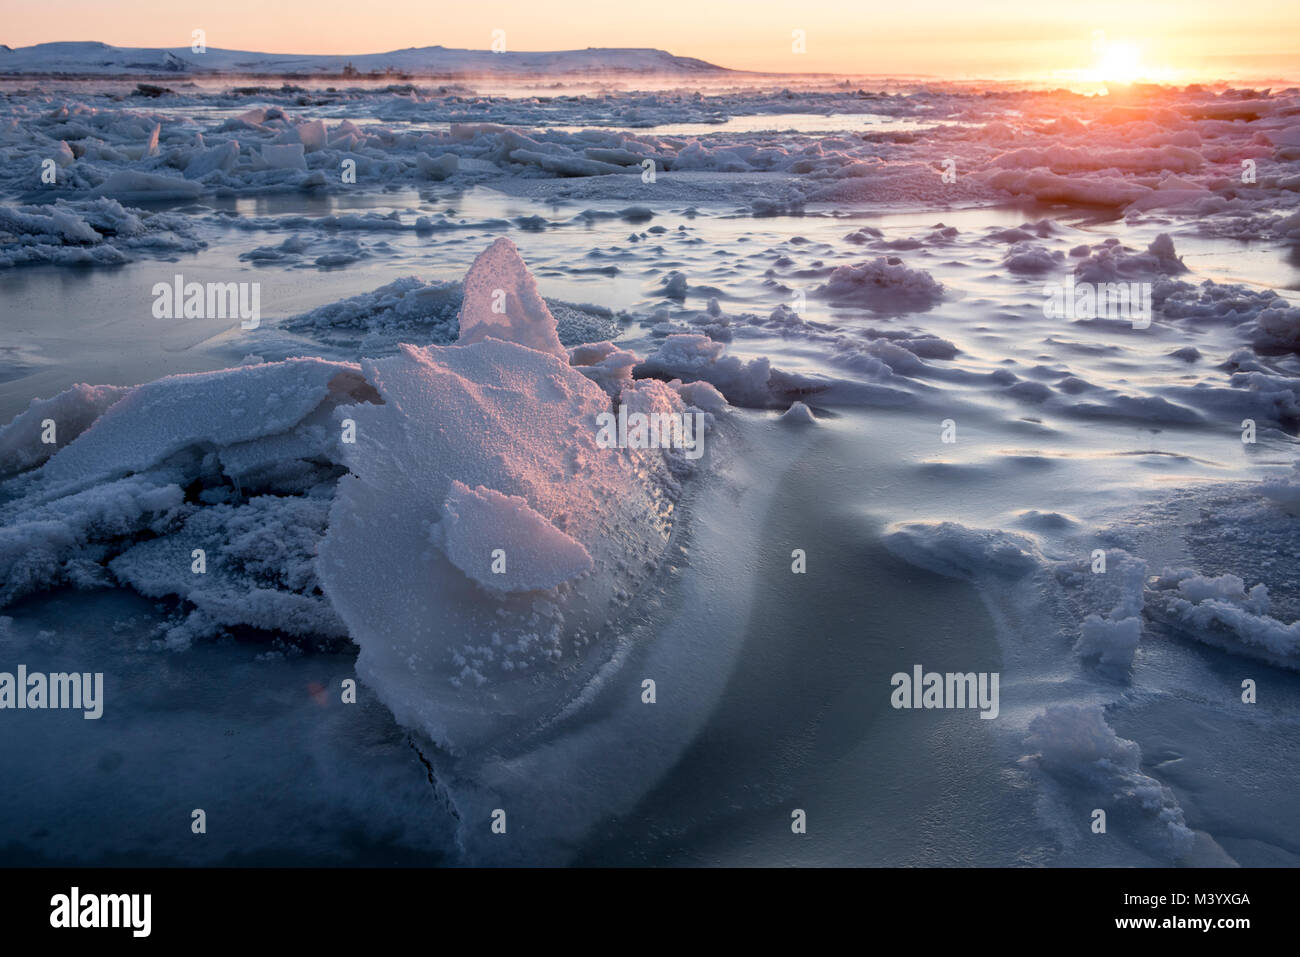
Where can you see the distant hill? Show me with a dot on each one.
(101, 59)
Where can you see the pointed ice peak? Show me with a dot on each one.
(502, 302)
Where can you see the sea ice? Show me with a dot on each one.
(1075, 744)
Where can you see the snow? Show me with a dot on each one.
(95, 231)
(1073, 159)
(440, 167)
(71, 411)
(1220, 612)
(798, 414)
(1074, 743)
(954, 550)
(413, 311)
(501, 302)
(101, 58)
(488, 443)
(884, 285)
(45, 544)
(815, 267)
(1112, 641)
(134, 185)
(285, 156)
(260, 569)
(1176, 158)
(1111, 262)
(1110, 635)
(1284, 492)
(1048, 187)
(220, 158)
(696, 358)
(525, 427)
(205, 409)
(535, 554)
(128, 455)
(605, 364)
(701, 395)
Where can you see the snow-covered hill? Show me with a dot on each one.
(95, 58)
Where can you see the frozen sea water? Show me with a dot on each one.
(1071, 435)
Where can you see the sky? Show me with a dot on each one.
(934, 37)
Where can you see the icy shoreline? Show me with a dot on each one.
(820, 296)
(1218, 157)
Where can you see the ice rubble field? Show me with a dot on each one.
(828, 299)
(1147, 152)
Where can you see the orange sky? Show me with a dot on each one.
(942, 37)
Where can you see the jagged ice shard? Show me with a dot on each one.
(480, 447)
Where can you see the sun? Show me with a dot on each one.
(1118, 61)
